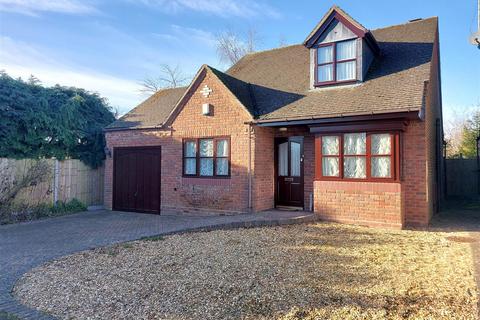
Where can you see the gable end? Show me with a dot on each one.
(328, 24)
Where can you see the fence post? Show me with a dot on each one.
(56, 173)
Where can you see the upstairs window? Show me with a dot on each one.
(336, 62)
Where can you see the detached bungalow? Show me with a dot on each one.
(347, 124)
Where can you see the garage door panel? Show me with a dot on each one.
(140, 174)
(131, 182)
(137, 179)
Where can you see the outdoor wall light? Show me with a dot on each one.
(108, 152)
(206, 109)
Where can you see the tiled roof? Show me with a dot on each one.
(274, 84)
(395, 81)
(239, 88)
(152, 112)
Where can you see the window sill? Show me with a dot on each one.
(334, 83)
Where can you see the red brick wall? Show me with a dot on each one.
(410, 202)
(414, 174)
(364, 203)
(423, 161)
(180, 193)
(263, 169)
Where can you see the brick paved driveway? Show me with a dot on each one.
(27, 245)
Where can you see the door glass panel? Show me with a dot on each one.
(283, 159)
(295, 159)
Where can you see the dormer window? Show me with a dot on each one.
(341, 50)
(336, 62)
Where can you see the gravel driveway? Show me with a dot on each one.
(27, 245)
(313, 271)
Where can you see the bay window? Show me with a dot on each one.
(336, 62)
(358, 156)
(206, 157)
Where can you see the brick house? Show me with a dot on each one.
(347, 124)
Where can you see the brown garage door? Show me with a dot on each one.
(136, 179)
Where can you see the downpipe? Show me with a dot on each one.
(250, 207)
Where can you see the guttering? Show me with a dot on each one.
(161, 127)
(410, 114)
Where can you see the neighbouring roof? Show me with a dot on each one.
(274, 84)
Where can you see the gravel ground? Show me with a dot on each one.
(314, 271)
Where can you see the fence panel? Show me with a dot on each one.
(462, 177)
(74, 180)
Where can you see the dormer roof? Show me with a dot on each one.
(337, 14)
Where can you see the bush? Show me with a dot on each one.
(72, 206)
(45, 122)
(22, 212)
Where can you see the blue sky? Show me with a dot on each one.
(110, 46)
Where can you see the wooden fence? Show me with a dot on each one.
(462, 177)
(63, 181)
